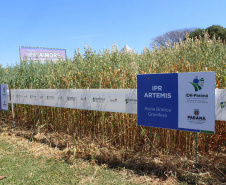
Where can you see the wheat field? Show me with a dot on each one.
(110, 69)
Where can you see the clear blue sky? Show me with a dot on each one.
(70, 24)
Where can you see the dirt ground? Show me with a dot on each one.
(158, 169)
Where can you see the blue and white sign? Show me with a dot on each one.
(220, 104)
(3, 97)
(181, 101)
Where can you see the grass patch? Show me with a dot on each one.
(22, 167)
(102, 165)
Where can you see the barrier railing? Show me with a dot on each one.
(111, 100)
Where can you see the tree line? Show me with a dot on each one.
(170, 38)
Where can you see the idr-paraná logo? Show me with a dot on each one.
(197, 83)
(222, 104)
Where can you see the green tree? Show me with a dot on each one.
(214, 30)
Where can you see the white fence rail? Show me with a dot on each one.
(111, 100)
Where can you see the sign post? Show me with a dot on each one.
(181, 101)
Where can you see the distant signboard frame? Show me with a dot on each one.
(41, 54)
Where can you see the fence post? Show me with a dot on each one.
(196, 149)
(12, 108)
(150, 140)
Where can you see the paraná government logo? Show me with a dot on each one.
(197, 83)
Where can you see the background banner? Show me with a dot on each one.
(42, 54)
(112, 100)
(119, 100)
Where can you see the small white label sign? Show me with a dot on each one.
(197, 101)
(4, 97)
(220, 104)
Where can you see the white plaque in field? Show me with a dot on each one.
(220, 104)
(197, 101)
(3, 97)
